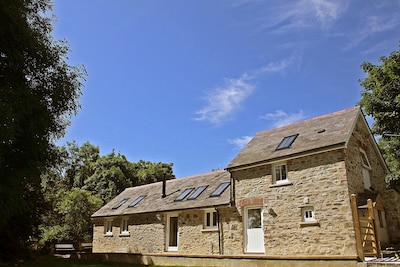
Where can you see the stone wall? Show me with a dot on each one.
(146, 235)
(361, 139)
(319, 181)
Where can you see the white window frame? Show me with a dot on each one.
(366, 169)
(308, 214)
(280, 181)
(108, 227)
(212, 215)
(124, 228)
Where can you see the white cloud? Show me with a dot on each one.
(223, 101)
(372, 26)
(240, 142)
(289, 15)
(282, 118)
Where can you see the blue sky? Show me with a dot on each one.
(189, 82)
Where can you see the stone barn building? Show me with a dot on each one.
(308, 193)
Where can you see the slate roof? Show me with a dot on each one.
(153, 202)
(320, 133)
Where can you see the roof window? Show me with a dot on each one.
(220, 189)
(136, 201)
(197, 192)
(184, 194)
(122, 202)
(287, 142)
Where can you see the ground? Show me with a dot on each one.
(51, 261)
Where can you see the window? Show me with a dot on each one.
(184, 194)
(366, 169)
(308, 214)
(364, 159)
(280, 174)
(380, 218)
(308, 217)
(287, 142)
(136, 201)
(108, 228)
(125, 226)
(122, 202)
(220, 189)
(210, 219)
(197, 192)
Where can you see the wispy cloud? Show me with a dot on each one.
(282, 118)
(223, 101)
(373, 25)
(240, 142)
(290, 15)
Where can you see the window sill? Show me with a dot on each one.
(306, 224)
(280, 184)
(207, 230)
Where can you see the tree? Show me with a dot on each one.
(381, 100)
(82, 174)
(72, 210)
(39, 94)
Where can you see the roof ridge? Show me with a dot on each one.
(311, 119)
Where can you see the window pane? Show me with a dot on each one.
(122, 202)
(214, 218)
(184, 194)
(208, 219)
(254, 218)
(136, 201)
(277, 173)
(283, 172)
(173, 231)
(220, 189)
(197, 192)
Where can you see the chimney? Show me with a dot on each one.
(164, 185)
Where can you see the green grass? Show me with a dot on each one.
(51, 261)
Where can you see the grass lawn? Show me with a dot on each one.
(51, 261)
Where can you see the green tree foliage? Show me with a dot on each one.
(82, 173)
(381, 100)
(39, 93)
(71, 219)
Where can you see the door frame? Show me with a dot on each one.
(167, 239)
(246, 209)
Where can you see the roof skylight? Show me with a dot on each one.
(184, 194)
(287, 142)
(197, 192)
(220, 189)
(136, 201)
(122, 202)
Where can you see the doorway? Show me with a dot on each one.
(254, 230)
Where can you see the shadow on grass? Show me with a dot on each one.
(52, 261)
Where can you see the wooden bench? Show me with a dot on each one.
(62, 248)
(86, 246)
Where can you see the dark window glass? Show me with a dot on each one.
(220, 189)
(184, 194)
(287, 141)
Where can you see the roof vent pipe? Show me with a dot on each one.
(164, 185)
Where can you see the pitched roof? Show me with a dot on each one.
(153, 202)
(324, 132)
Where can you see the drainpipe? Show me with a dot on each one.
(219, 232)
(232, 188)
